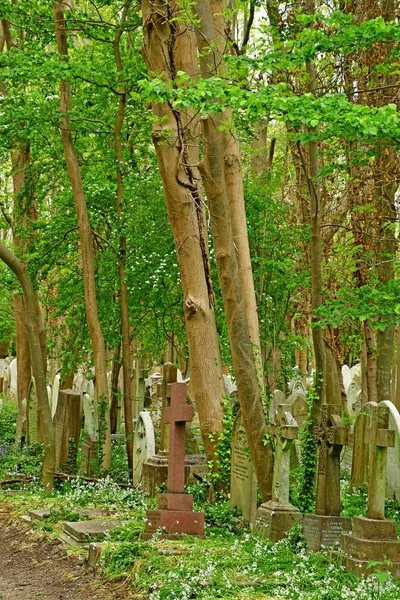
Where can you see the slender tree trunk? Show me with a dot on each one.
(124, 300)
(33, 327)
(220, 174)
(116, 366)
(169, 47)
(86, 242)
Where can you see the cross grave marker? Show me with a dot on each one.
(175, 515)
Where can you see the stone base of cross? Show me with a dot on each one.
(175, 515)
(374, 538)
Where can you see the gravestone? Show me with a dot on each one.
(359, 466)
(175, 515)
(90, 415)
(277, 398)
(243, 490)
(89, 458)
(67, 425)
(276, 517)
(374, 538)
(299, 407)
(6, 382)
(353, 399)
(143, 444)
(325, 526)
(393, 458)
(54, 394)
(356, 374)
(78, 533)
(141, 375)
(346, 376)
(155, 469)
(34, 433)
(13, 379)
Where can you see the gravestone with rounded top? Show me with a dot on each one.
(374, 538)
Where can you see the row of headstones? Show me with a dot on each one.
(376, 431)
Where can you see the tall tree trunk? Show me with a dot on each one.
(223, 200)
(86, 242)
(123, 299)
(168, 47)
(34, 327)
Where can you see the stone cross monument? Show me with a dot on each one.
(324, 527)
(175, 515)
(374, 538)
(276, 517)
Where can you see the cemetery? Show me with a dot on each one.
(199, 300)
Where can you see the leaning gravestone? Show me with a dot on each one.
(346, 376)
(243, 478)
(277, 398)
(143, 444)
(374, 538)
(353, 399)
(276, 517)
(67, 429)
(89, 458)
(359, 466)
(89, 413)
(325, 526)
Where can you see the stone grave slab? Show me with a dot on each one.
(89, 456)
(79, 533)
(243, 489)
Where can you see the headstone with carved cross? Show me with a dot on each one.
(324, 527)
(175, 515)
(374, 538)
(276, 517)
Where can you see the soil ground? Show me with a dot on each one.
(33, 568)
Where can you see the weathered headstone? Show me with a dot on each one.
(276, 517)
(13, 378)
(324, 527)
(299, 407)
(277, 398)
(359, 473)
(90, 415)
(6, 382)
(346, 376)
(143, 444)
(89, 457)
(67, 429)
(374, 538)
(34, 433)
(356, 374)
(175, 515)
(243, 490)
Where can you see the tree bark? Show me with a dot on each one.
(39, 372)
(169, 47)
(86, 242)
(124, 300)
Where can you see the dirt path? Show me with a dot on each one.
(33, 568)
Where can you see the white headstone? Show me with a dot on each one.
(393, 460)
(13, 381)
(346, 376)
(356, 374)
(6, 382)
(54, 394)
(89, 412)
(143, 444)
(229, 385)
(353, 399)
(3, 364)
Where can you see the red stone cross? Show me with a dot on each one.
(177, 415)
